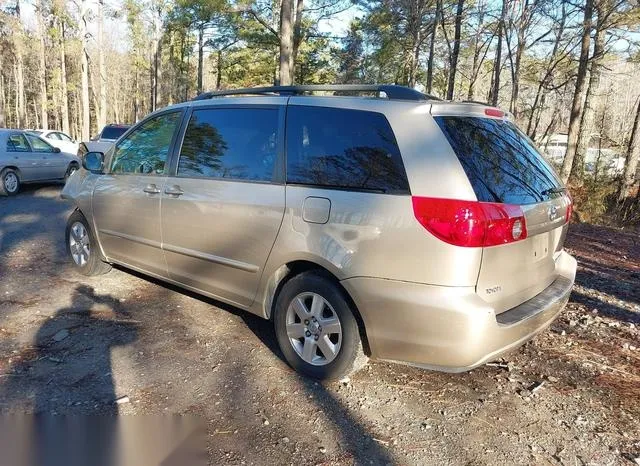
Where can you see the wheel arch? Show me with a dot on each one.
(294, 268)
(15, 169)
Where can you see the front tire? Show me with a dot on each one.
(73, 167)
(9, 182)
(316, 328)
(83, 248)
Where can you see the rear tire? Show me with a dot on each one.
(305, 304)
(82, 247)
(9, 182)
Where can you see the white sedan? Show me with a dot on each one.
(58, 139)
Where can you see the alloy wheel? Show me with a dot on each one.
(79, 244)
(10, 182)
(314, 329)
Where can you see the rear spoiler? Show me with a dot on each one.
(469, 108)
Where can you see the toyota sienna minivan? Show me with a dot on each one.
(363, 221)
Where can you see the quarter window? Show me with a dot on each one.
(17, 143)
(230, 143)
(342, 148)
(145, 150)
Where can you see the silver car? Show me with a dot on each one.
(393, 225)
(27, 158)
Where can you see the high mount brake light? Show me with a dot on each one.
(470, 223)
(494, 112)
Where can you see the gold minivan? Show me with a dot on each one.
(364, 221)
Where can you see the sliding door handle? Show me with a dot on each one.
(174, 191)
(151, 189)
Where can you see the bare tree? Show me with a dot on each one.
(102, 73)
(497, 62)
(591, 96)
(456, 50)
(633, 155)
(577, 105)
(42, 72)
(84, 70)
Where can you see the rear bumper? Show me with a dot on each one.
(451, 328)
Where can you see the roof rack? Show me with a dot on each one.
(392, 91)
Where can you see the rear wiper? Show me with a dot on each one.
(558, 190)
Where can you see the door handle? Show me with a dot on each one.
(174, 191)
(151, 189)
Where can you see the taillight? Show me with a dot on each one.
(569, 209)
(470, 223)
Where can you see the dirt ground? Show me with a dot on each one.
(73, 345)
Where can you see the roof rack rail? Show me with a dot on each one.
(392, 91)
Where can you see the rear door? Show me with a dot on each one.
(504, 167)
(19, 154)
(223, 205)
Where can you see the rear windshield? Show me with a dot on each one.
(113, 132)
(501, 163)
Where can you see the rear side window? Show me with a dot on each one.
(341, 148)
(501, 163)
(17, 143)
(230, 143)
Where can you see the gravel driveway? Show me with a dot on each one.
(74, 345)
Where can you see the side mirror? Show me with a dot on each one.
(56, 150)
(93, 161)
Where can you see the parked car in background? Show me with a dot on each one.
(27, 158)
(58, 139)
(104, 140)
(402, 228)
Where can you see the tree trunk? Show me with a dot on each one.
(84, 72)
(42, 72)
(3, 103)
(200, 56)
(432, 45)
(515, 87)
(297, 37)
(156, 73)
(286, 42)
(136, 95)
(21, 98)
(497, 64)
(102, 107)
(64, 104)
(219, 70)
(456, 50)
(576, 176)
(477, 62)
(631, 163)
(578, 96)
